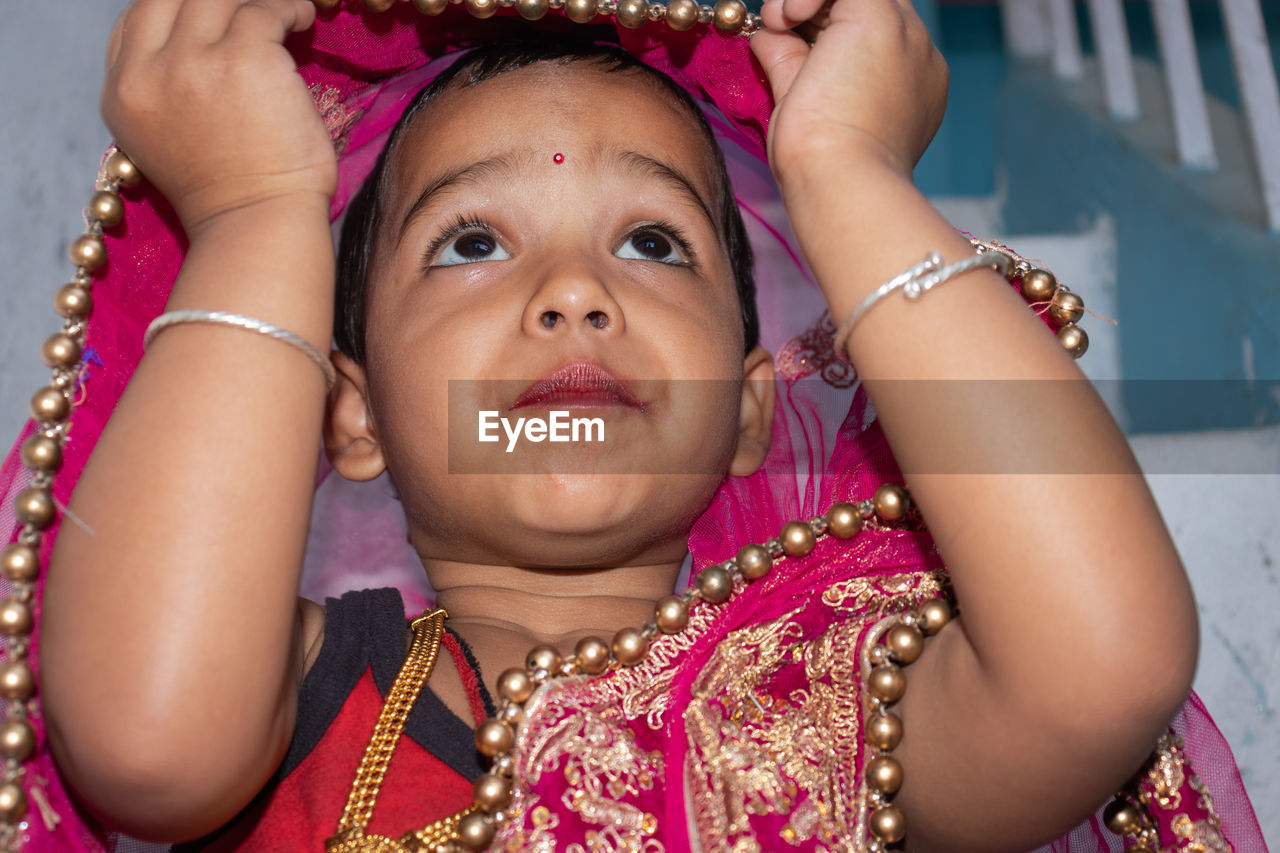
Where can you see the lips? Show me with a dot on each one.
(580, 385)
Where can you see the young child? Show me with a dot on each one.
(552, 226)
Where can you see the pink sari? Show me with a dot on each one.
(745, 731)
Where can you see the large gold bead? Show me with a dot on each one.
(934, 615)
(532, 10)
(515, 684)
(730, 15)
(884, 731)
(379, 5)
(580, 11)
(88, 251)
(843, 521)
(17, 741)
(492, 792)
(17, 681)
(19, 562)
(475, 831)
(41, 453)
(754, 562)
(1121, 817)
(631, 13)
(888, 824)
(35, 506)
(797, 538)
(630, 646)
(73, 302)
(887, 683)
(714, 585)
(325, 4)
(891, 502)
(494, 738)
(482, 8)
(671, 614)
(543, 657)
(1039, 285)
(60, 350)
(13, 802)
(1073, 340)
(431, 7)
(905, 643)
(15, 618)
(1066, 306)
(682, 14)
(106, 208)
(120, 168)
(592, 655)
(884, 774)
(50, 405)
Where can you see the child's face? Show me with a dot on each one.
(554, 215)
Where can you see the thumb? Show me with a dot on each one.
(781, 55)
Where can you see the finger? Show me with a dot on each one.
(270, 20)
(142, 29)
(209, 21)
(203, 21)
(798, 11)
(781, 55)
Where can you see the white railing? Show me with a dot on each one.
(1047, 28)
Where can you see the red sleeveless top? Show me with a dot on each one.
(431, 773)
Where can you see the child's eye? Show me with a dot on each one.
(468, 248)
(654, 244)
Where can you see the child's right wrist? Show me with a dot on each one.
(270, 212)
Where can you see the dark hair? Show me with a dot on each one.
(365, 213)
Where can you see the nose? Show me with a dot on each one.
(572, 298)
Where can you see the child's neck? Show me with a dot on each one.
(502, 612)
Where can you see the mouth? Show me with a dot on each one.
(580, 385)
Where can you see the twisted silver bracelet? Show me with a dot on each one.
(223, 318)
(916, 282)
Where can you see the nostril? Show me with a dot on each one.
(598, 319)
(550, 319)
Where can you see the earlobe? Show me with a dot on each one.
(755, 422)
(350, 439)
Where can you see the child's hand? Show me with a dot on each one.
(204, 97)
(853, 76)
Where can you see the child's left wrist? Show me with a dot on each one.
(821, 161)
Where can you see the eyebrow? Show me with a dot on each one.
(503, 164)
(667, 174)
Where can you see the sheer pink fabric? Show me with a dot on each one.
(363, 69)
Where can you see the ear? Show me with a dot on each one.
(755, 421)
(350, 438)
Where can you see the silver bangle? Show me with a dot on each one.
(916, 282)
(222, 318)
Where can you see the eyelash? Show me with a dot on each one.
(676, 235)
(459, 225)
(463, 224)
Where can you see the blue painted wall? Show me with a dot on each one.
(969, 36)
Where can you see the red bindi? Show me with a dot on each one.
(559, 158)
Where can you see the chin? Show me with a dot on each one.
(583, 518)
(585, 503)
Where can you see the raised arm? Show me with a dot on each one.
(1078, 638)
(173, 640)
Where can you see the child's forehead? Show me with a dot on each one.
(609, 114)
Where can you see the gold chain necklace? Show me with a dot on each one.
(428, 630)
(473, 828)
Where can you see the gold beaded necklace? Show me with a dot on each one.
(473, 828)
